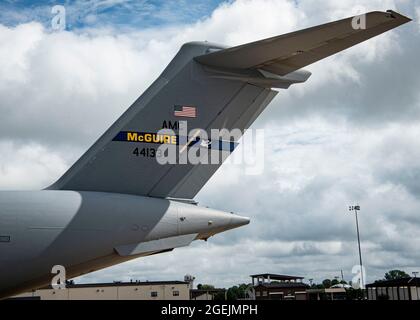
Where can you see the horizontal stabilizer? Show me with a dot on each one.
(155, 245)
(290, 52)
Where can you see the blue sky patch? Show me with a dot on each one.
(129, 14)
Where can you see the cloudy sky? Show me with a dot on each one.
(350, 135)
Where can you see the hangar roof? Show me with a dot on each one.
(404, 282)
(121, 284)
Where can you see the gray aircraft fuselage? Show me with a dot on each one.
(87, 231)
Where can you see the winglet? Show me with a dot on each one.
(399, 16)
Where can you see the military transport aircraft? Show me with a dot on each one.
(117, 203)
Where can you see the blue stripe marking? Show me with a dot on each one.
(220, 145)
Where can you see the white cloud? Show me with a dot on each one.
(314, 170)
(200, 260)
(28, 166)
(17, 44)
(418, 16)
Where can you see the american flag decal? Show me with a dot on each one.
(185, 111)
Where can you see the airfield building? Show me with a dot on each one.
(149, 290)
(269, 286)
(399, 289)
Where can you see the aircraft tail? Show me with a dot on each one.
(124, 159)
(206, 86)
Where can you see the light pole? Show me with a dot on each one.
(356, 209)
(415, 273)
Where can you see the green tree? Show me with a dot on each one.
(233, 293)
(317, 286)
(334, 282)
(354, 294)
(205, 287)
(220, 296)
(326, 283)
(237, 292)
(396, 274)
